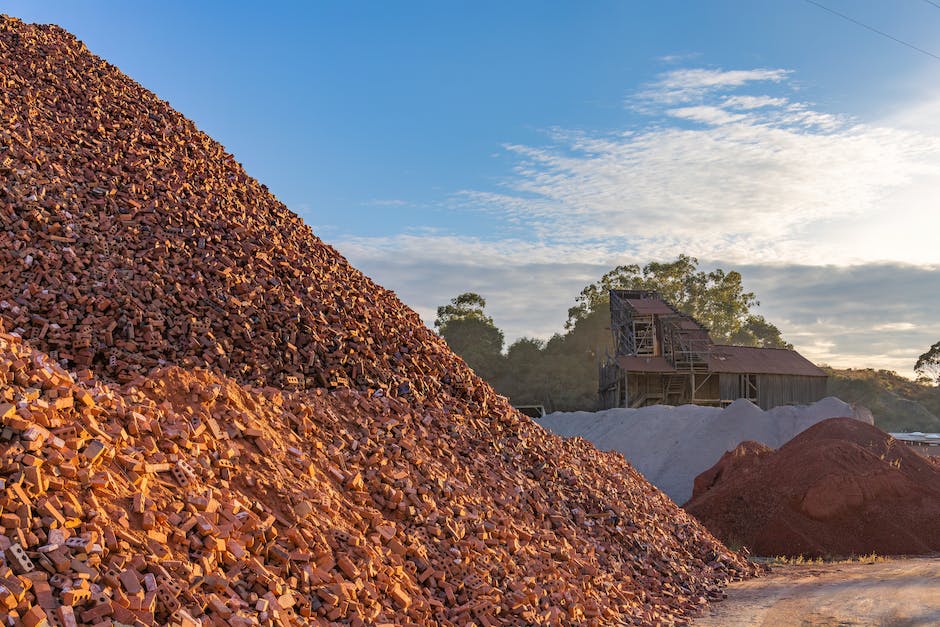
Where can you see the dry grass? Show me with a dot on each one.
(871, 558)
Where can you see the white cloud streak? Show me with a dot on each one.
(686, 85)
(728, 167)
(754, 178)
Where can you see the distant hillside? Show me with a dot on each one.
(897, 403)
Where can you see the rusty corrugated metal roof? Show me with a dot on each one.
(752, 360)
(646, 306)
(734, 359)
(689, 324)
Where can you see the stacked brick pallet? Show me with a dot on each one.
(211, 418)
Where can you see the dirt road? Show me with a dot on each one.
(895, 593)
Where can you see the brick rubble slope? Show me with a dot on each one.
(213, 418)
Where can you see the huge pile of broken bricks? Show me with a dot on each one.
(209, 417)
(185, 496)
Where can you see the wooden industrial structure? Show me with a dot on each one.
(665, 357)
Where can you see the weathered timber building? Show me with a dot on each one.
(664, 357)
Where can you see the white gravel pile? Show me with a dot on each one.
(672, 445)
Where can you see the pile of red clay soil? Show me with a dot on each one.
(840, 488)
(209, 417)
(744, 459)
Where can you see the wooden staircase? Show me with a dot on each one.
(675, 389)
(647, 399)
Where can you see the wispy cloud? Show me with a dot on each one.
(752, 102)
(678, 58)
(687, 85)
(754, 177)
(706, 114)
(528, 287)
(870, 315)
(894, 326)
(730, 166)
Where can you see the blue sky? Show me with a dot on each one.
(520, 149)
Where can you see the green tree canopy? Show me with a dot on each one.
(467, 306)
(562, 372)
(523, 376)
(471, 333)
(716, 299)
(525, 349)
(928, 364)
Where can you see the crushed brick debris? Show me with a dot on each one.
(209, 417)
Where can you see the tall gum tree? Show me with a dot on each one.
(471, 333)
